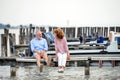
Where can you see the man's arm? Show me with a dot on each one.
(32, 47)
(45, 45)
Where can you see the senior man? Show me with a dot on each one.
(39, 47)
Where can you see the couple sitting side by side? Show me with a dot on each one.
(39, 48)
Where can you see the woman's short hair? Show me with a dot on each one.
(59, 33)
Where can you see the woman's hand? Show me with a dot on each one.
(68, 56)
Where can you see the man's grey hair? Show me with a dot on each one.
(38, 31)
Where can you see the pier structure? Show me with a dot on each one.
(75, 32)
(23, 34)
(4, 42)
(8, 37)
(81, 60)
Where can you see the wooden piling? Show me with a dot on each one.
(113, 63)
(0, 46)
(75, 63)
(100, 63)
(41, 68)
(13, 72)
(49, 60)
(87, 68)
(5, 41)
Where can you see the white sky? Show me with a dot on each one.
(60, 12)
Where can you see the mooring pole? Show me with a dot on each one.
(13, 72)
(87, 68)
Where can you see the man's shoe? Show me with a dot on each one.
(45, 63)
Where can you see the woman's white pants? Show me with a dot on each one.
(62, 57)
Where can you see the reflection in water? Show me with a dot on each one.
(71, 73)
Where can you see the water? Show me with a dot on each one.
(71, 73)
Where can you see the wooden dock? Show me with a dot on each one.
(74, 58)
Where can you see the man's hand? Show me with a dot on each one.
(43, 51)
(37, 51)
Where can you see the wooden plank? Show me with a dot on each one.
(81, 47)
(27, 60)
(5, 71)
(77, 51)
(97, 55)
(78, 58)
(70, 43)
(8, 58)
(21, 45)
(75, 59)
(105, 58)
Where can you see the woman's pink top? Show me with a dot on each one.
(61, 45)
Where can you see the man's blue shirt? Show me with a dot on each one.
(39, 44)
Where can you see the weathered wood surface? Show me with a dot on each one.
(78, 51)
(105, 58)
(5, 71)
(75, 59)
(8, 58)
(26, 60)
(84, 56)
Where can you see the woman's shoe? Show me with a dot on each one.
(60, 70)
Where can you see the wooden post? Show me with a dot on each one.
(49, 60)
(33, 31)
(75, 62)
(6, 41)
(1, 37)
(87, 69)
(108, 32)
(41, 68)
(76, 32)
(113, 63)
(103, 31)
(17, 36)
(115, 29)
(82, 31)
(0, 46)
(13, 72)
(8, 46)
(23, 36)
(100, 63)
(47, 29)
(30, 32)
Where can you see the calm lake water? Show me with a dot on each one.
(71, 73)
